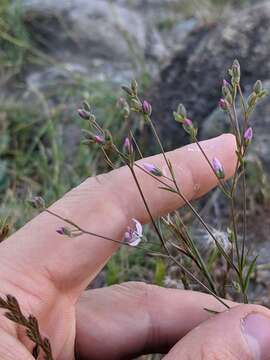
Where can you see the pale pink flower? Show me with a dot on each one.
(134, 236)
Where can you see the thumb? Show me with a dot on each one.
(242, 332)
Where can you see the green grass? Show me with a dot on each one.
(33, 153)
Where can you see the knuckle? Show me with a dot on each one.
(135, 290)
(249, 308)
(209, 352)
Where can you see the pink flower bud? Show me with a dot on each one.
(218, 168)
(64, 231)
(98, 139)
(222, 104)
(84, 114)
(61, 231)
(248, 135)
(188, 123)
(225, 83)
(147, 108)
(151, 168)
(127, 146)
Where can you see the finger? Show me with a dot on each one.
(105, 205)
(242, 332)
(136, 318)
(193, 174)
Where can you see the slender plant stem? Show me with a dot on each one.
(169, 256)
(83, 231)
(107, 158)
(136, 144)
(199, 282)
(199, 261)
(148, 210)
(194, 211)
(186, 200)
(238, 134)
(244, 109)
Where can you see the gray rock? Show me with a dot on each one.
(194, 75)
(96, 28)
(218, 123)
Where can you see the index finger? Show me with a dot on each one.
(104, 205)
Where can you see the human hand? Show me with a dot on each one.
(48, 273)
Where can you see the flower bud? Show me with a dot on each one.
(127, 146)
(223, 104)
(229, 98)
(127, 90)
(136, 104)
(257, 88)
(248, 135)
(64, 231)
(151, 168)
(252, 99)
(218, 168)
(181, 110)
(92, 118)
(189, 127)
(147, 108)
(84, 114)
(235, 72)
(98, 139)
(93, 138)
(123, 105)
(177, 117)
(188, 123)
(134, 86)
(86, 106)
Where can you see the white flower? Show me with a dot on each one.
(134, 236)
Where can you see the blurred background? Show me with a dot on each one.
(54, 54)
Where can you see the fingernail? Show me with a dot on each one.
(256, 329)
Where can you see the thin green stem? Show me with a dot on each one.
(83, 231)
(136, 144)
(244, 108)
(244, 219)
(199, 282)
(183, 197)
(235, 114)
(169, 256)
(148, 210)
(187, 202)
(107, 158)
(198, 256)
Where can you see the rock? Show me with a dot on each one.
(96, 28)
(194, 75)
(217, 123)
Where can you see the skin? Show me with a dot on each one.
(48, 272)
